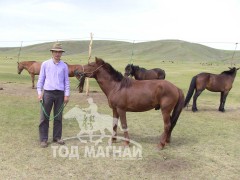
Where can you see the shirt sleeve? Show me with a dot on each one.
(66, 82)
(41, 79)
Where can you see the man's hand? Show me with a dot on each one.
(40, 97)
(66, 99)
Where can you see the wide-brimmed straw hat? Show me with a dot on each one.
(57, 47)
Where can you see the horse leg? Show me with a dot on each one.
(115, 125)
(33, 76)
(196, 94)
(166, 133)
(123, 120)
(222, 101)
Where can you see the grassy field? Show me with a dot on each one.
(205, 145)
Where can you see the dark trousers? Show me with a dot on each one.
(51, 99)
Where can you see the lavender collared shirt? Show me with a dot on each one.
(53, 77)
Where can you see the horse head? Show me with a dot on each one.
(232, 71)
(20, 67)
(92, 68)
(128, 70)
(233, 68)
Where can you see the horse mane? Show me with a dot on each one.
(116, 75)
(229, 72)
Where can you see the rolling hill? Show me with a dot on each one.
(163, 50)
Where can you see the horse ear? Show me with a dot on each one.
(229, 68)
(238, 68)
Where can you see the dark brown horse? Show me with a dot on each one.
(212, 82)
(144, 74)
(34, 67)
(125, 94)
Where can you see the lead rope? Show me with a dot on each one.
(58, 113)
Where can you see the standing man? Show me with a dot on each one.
(53, 91)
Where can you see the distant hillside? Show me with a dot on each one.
(164, 50)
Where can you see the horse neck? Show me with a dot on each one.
(105, 81)
(25, 66)
(233, 75)
(136, 73)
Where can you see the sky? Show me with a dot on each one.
(214, 23)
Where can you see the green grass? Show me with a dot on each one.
(205, 145)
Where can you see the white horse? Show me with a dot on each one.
(89, 123)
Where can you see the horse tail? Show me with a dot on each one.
(177, 109)
(190, 91)
(81, 83)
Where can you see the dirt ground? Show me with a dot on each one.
(15, 89)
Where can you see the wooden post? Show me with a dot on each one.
(233, 54)
(89, 57)
(19, 51)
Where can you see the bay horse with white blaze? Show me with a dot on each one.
(128, 95)
(212, 82)
(144, 74)
(33, 68)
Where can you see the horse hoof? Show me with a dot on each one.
(221, 110)
(194, 110)
(160, 147)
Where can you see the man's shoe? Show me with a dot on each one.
(44, 144)
(59, 141)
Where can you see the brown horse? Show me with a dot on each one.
(144, 74)
(212, 82)
(72, 73)
(34, 67)
(125, 94)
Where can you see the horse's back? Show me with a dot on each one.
(151, 74)
(160, 88)
(35, 68)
